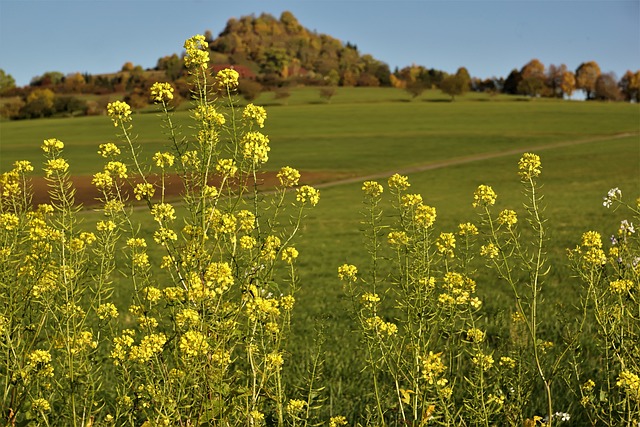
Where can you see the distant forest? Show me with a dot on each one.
(276, 54)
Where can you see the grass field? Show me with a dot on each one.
(446, 148)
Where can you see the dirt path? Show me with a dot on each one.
(86, 193)
(472, 158)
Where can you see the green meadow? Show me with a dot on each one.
(445, 148)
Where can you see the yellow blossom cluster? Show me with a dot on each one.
(348, 272)
(52, 145)
(164, 235)
(108, 149)
(40, 405)
(144, 191)
(209, 115)
(398, 182)
(295, 406)
(507, 217)
(287, 302)
(372, 189)
(507, 362)
(382, 328)
(22, 166)
(227, 167)
(289, 255)
(337, 421)
(411, 200)
(288, 176)
(197, 52)
(56, 167)
(194, 344)
(446, 243)
(529, 166)
(219, 276)
(370, 300)
(630, 383)
(484, 196)
(621, 286)
(274, 361)
(432, 368)
(424, 216)
(246, 220)
(270, 247)
(484, 361)
(467, 229)
(149, 346)
(187, 316)
(163, 212)
(490, 250)
(119, 112)
(255, 147)
(475, 335)
(261, 309)
(306, 193)
(164, 159)
(458, 290)
(107, 311)
(398, 238)
(255, 112)
(161, 92)
(228, 79)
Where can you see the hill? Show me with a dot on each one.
(283, 49)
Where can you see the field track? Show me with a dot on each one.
(474, 158)
(86, 194)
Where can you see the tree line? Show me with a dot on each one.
(275, 54)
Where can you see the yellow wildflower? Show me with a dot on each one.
(120, 112)
(306, 193)
(52, 145)
(288, 176)
(529, 166)
(399, 182)
(257, 113)
(161, 92)
(193, 344)
(228, 78)
(484, 196)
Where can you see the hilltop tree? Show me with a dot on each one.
(586, 76)
(511, 83)
(50, 78)
(630, 86)
(533, 78)
(39, 103)
(606, 88)
(568, 83)
(554, 77)
(456, 84)
(6, 81)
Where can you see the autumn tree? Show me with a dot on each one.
(39, 103)
(568, 83)
(586, 76)
(606, 88)
(533, 78)
(630, 86)
(554, 77)
(6, 81)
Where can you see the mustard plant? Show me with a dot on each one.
(203, 340)
(610, 301)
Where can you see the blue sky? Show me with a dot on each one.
(489, 37)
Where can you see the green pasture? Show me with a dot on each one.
(586, 149)
(357, 136)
